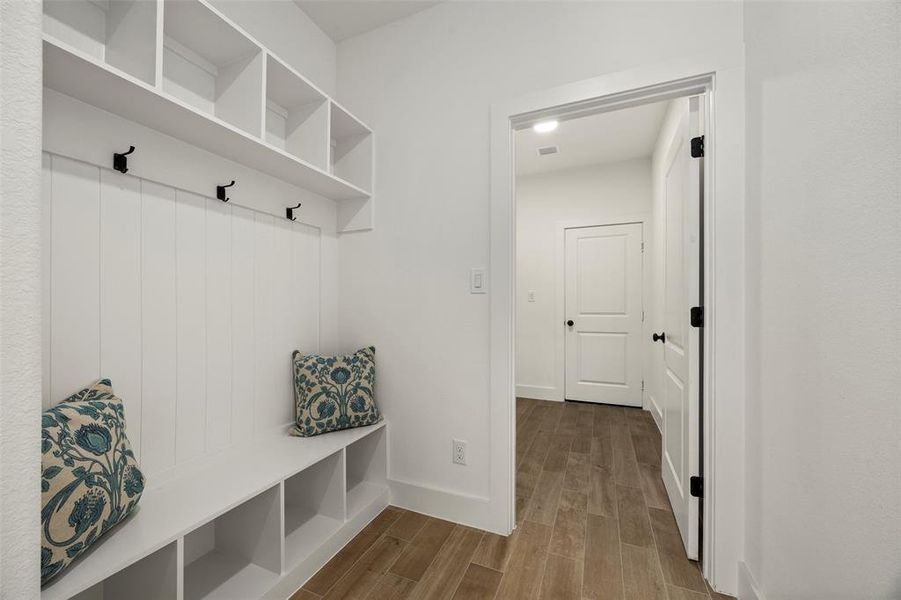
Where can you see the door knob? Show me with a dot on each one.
(660, 338)
(570, 323)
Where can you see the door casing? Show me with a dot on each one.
(721, 77)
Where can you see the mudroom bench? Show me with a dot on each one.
(253, 522)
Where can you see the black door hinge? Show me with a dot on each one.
(696, 486)
(697, 316)
(697, 147)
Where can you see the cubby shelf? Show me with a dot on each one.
(242, 523)
(181, 68)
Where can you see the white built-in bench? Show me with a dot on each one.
(255, 522)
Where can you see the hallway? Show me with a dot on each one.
(593, 522)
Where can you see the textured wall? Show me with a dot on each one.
(824, 305)
(20, 297)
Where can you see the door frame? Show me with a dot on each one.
(560, 228)
(721, 79)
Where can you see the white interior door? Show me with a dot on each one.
(603, 314)
(681, 379)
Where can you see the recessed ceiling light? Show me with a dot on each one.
(545, 126)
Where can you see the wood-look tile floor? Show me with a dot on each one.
(593, 522)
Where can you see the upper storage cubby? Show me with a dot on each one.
(296, 114)
(120, 33)
(184, 69)
(212, 66)
(350, 148)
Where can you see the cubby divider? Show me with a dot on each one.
(366, 478)
(184, 69)
(296, 114)
(350, 155)
(314, 507)
(212, 66)
(153, 577)
(238, 554)
(120, 33)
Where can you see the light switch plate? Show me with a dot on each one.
(531, 295)
(478, 281)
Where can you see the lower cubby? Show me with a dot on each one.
(314, 508)
(366, 471)
(152, 578)
(238, 554)
(240, 529)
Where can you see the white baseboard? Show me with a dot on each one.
(748, 589)
(538, 392)
(444, 504)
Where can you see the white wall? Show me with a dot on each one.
(286, 30)
(426, 84)
(824, 304)
(20, 297)
(596, 194)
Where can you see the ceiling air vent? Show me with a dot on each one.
(546, 150)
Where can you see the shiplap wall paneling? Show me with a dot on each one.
(307, 278)
(192, 308)
(243, 313)
(120, 293)
(265, 354)
(218, 325)
(190, 268)
(286, 314)
(75, 283)
(159, 310)
(47, 399)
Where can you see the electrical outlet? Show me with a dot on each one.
(459, 452)
(531, 295)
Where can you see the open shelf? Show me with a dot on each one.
(314, 507)
(212, 66)
(350, 157)
(184, 69)
(154, 576)
(71, 72)
(296, 114)
(366, 479)
(119, 33)
(237, 555)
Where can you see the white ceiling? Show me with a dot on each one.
(602, 138)
(341, 19)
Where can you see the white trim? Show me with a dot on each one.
(748, 588)
(444, 504)
(539, 392)
(560, 287)
(721, 76)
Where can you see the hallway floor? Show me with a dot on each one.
(593, 522)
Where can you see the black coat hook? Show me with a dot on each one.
(220, 191)
(289, 212)
(120, 163)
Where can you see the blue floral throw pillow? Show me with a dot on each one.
(334, 392)
(90, 480)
